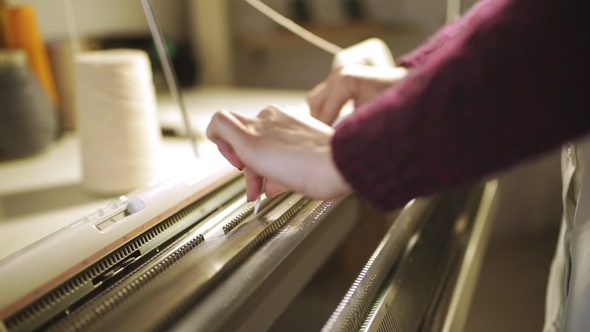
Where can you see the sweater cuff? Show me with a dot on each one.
(353, 151)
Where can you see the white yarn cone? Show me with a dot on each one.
(118, 127)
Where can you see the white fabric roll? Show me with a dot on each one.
(119, 132)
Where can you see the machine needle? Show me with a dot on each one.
(257, 206)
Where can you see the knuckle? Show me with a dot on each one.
(219, 116)
(268, 111)
(274, 108)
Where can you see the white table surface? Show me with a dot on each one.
(43, 193)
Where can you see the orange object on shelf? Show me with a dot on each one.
(25, 34)
(4, 29)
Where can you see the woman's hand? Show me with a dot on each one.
(360, 83)
(291, 152)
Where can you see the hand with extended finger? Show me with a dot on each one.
(291, 152)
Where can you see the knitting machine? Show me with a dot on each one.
(189, 254)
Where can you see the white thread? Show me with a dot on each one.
(295, 28)
(119, 131)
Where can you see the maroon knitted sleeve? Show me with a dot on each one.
(516, 83)
(445, 34)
